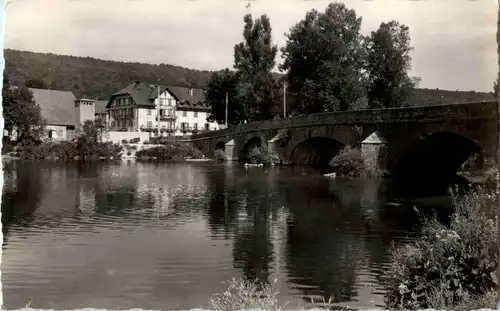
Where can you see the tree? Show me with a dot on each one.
(217, 87)
(387, 66)
(495, 87)
(323, 57)
(35, 83)
(21, 113)
(254, 58)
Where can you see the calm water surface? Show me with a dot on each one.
(166, 236)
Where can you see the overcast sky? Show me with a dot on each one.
(454, 40)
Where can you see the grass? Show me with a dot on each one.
(243, 294)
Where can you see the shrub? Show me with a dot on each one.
(492, 181)
(245, 295)
(171, 151)
(349, 163)
(67, 150)
(124, 141)
(260, 155)
(219, 155)
(283, 138)
(448, 267)
(135, 140)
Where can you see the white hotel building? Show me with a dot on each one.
(181, 111)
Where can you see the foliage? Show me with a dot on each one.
(68, 151)
(35, 83)
(349, 163)
(254, 58)
(170, 151)
(87, 145)
(135, 140)
(219, 155)
(260, 155)
(324, 59)
(246, 295)
(492, 180)
(20, 112)
(95, 78)
(387, 66)
(284, 137)
(448, 267)
(220, 83)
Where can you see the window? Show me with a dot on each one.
(207, 126)
(149, 124)
(184, 113)
(196, 114)
(170, 111)
(184, 126)
(113, 124)
(149, 112)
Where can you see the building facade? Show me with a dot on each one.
(173, 110)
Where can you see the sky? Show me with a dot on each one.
(454, 40)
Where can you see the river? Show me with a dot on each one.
(167, 235)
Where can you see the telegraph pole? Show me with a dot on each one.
(284, 99)
(158, 110)
(227, 103)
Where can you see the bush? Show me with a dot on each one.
(245, 295)
(135, 140)
(260, 155)
(449, 267)
(219, 155)
(67, 150)
(171, 151)
(349, 163)
(124, 141)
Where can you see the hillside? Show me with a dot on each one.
(95, 78)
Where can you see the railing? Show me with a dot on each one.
(465, 111)
(166, 117)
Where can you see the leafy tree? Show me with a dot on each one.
(323, 57)
(221, 83)
(495, 87)
(35, 83)
(254, 58)
(387, 66)
(21, 113)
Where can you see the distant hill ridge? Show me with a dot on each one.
(95, 78)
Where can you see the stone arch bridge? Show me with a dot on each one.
(407, 142)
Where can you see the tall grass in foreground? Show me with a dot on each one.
(244, 294)
(450, 267)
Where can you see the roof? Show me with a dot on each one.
(100, 106)
(145, 94)
(57, 107)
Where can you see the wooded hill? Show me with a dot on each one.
(93, 78)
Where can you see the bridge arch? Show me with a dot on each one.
(434, 160)
(220, 146)
(316, 151)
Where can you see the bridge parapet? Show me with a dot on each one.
(465, 111)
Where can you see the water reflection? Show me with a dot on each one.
(167, 235)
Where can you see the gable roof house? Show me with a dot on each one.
(63, 112)
(182, 110)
